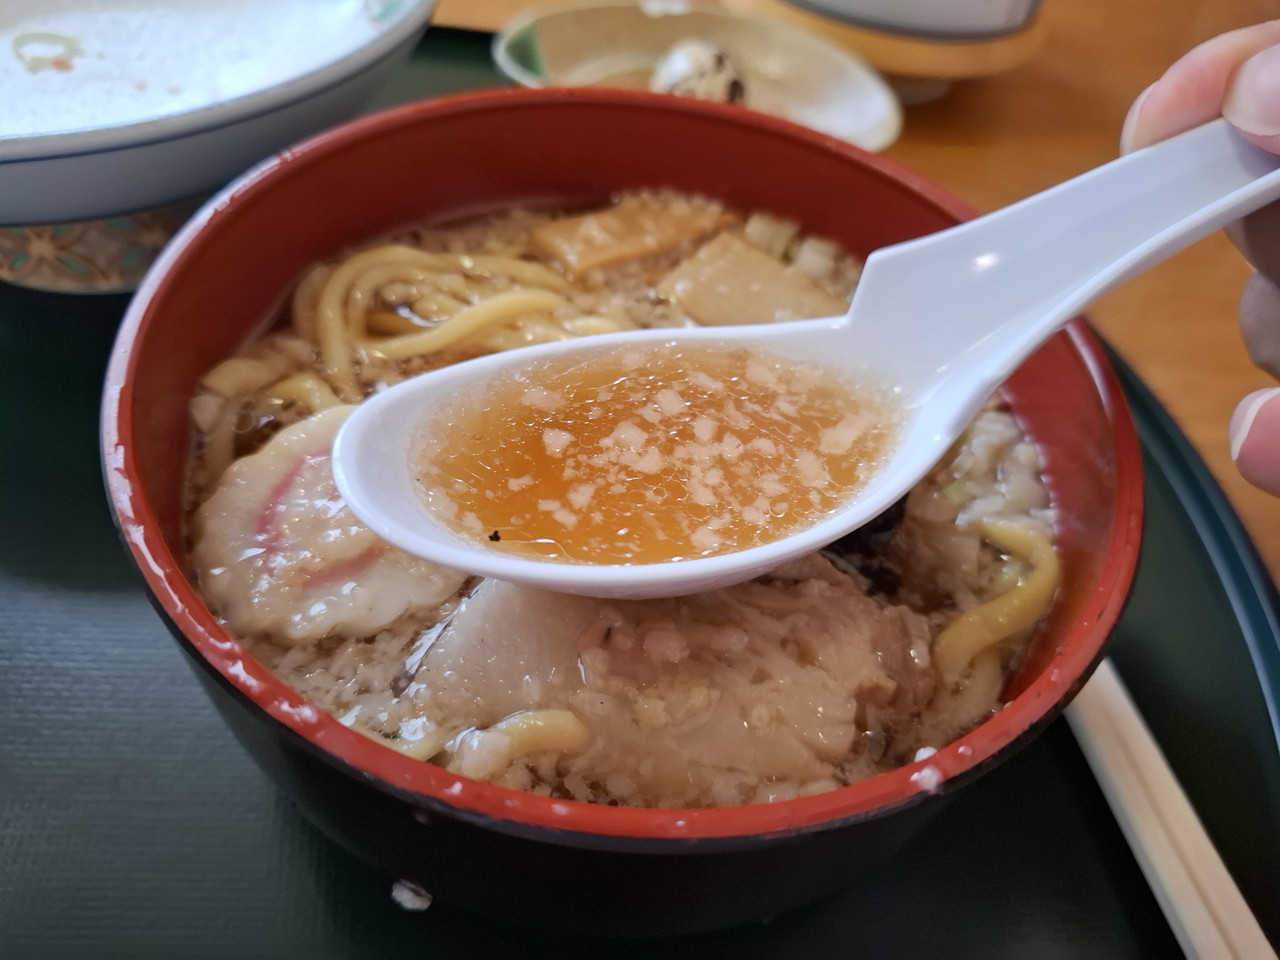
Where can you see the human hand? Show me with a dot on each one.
(1237, 76)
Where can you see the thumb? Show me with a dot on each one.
(1252, 102)
(1255, 439)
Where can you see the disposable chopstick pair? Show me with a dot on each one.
(1199, 897)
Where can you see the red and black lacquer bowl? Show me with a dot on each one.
(514, 855)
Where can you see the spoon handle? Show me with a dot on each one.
(1024, 270)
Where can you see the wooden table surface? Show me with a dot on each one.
(996, 139)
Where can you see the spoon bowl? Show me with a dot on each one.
(997, 288)
(376, 470)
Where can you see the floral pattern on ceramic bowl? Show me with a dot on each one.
(92, 256)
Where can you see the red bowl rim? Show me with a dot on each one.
(513, 811)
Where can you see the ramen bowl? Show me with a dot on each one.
(517, 855)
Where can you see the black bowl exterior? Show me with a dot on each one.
(553, 879)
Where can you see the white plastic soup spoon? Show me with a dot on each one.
(944, 319)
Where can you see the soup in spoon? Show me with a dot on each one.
(650, 453)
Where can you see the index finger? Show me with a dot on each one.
(1193, 89)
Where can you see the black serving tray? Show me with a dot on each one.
(133, 826)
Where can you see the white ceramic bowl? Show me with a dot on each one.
(953, 20)
(788, 72)
(124, 105)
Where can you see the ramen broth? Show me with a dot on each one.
(824, 671)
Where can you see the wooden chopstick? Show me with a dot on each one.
(1198, 895)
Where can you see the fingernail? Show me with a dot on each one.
(1255, 438)
(1131, 120)
(1253, 100)
(1246, 415)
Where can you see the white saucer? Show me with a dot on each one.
(788, 72)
